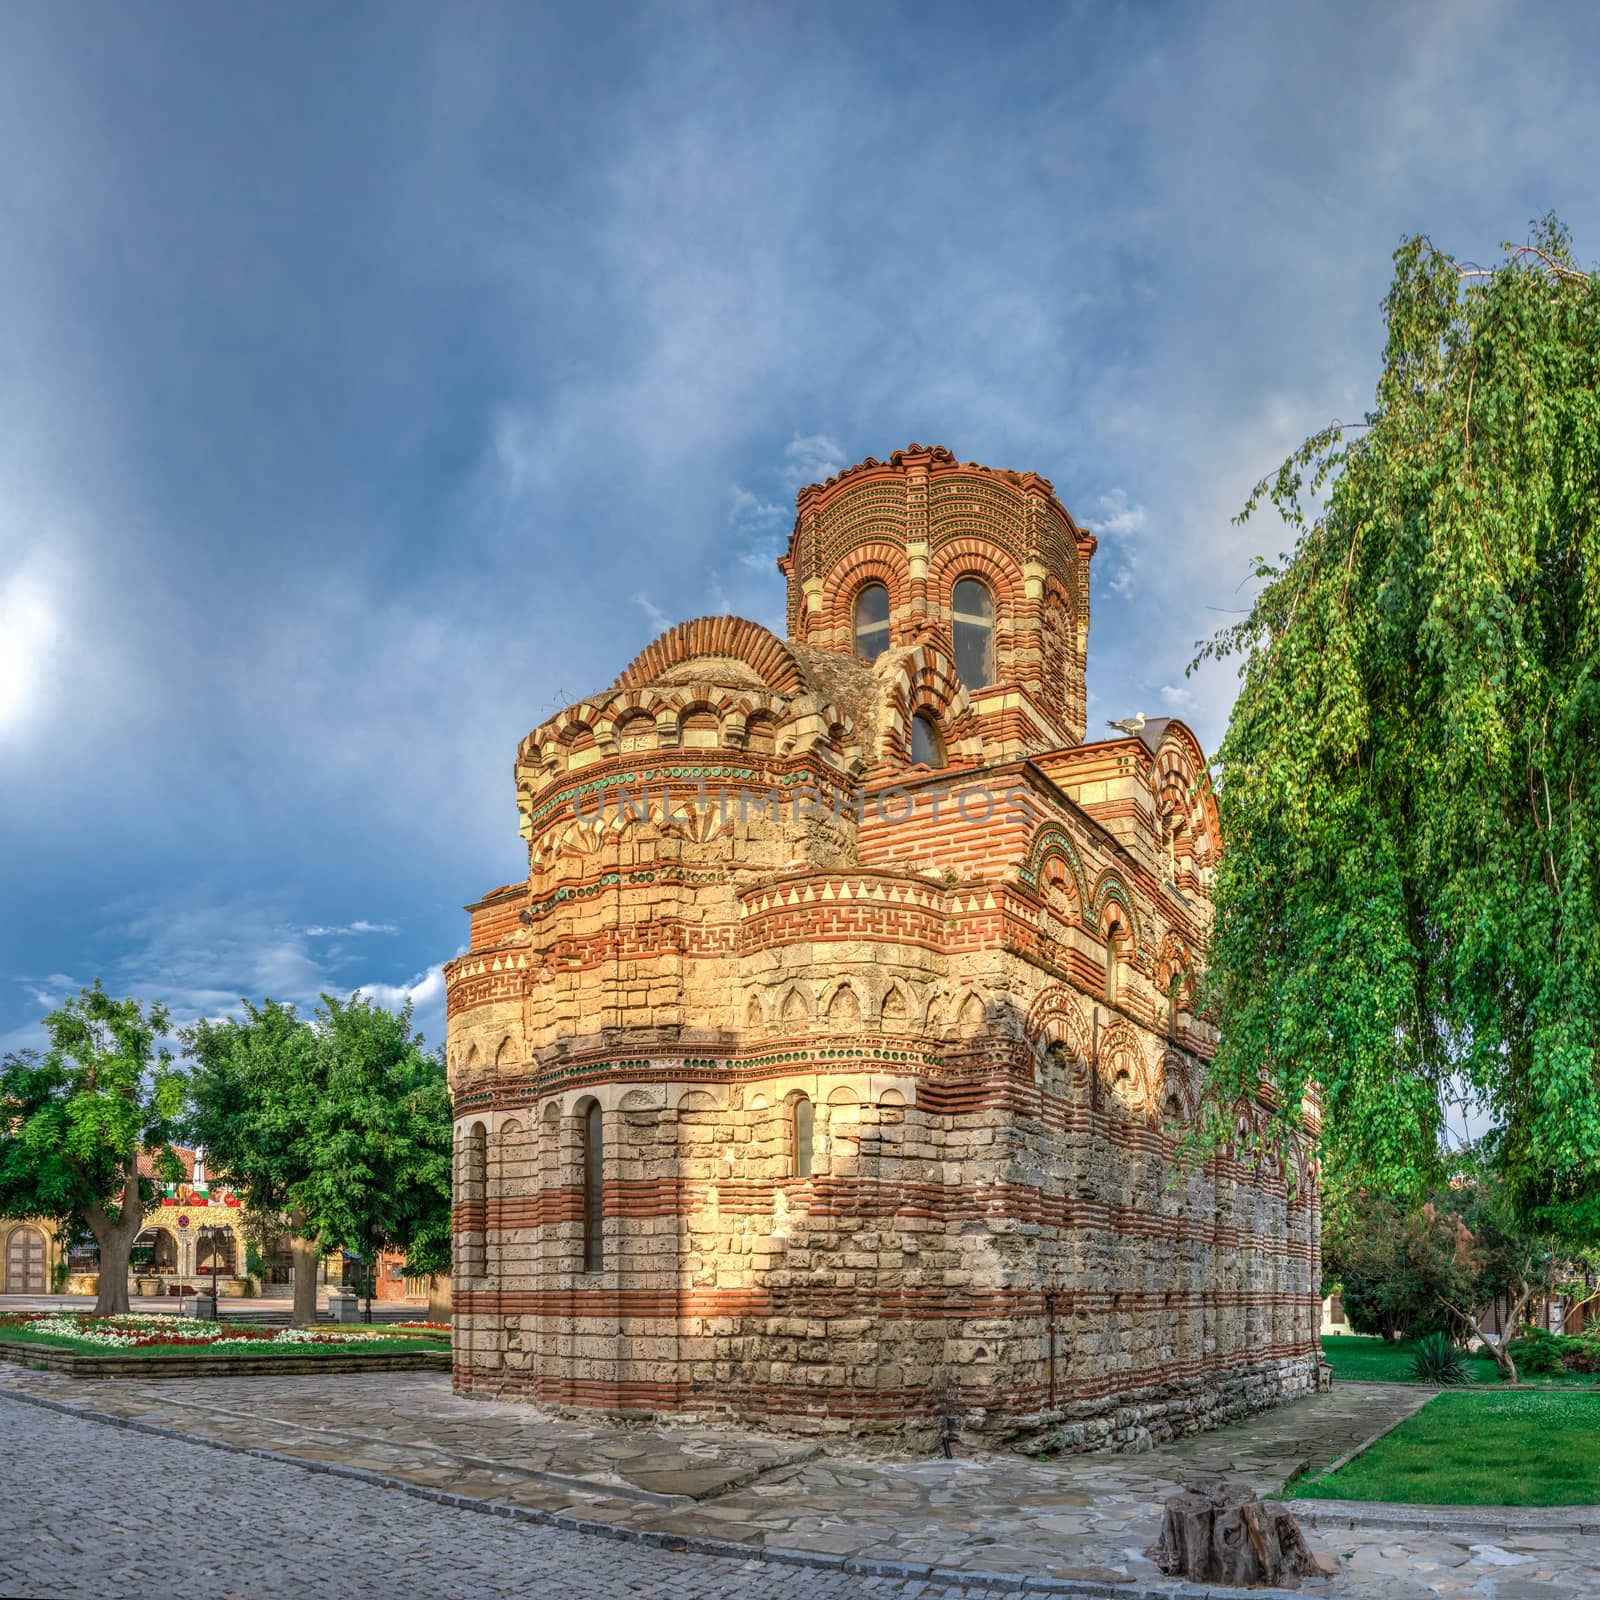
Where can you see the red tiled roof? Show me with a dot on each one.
(148, 1167)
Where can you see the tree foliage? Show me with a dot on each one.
(382, 1133)
(74, 1120)
(1407, 907)
(1505, 1265)
(337, 1127)
(1395, 1266)
(255, 1084)
(1460, 1262)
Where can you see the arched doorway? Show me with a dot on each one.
(155, 1253)
(217, 1244)
(25, 1258)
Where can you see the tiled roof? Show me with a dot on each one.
(148, 1167)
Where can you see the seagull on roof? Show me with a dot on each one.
(1130, 726)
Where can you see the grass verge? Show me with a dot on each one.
(1360, 1360)
(1512, 1448)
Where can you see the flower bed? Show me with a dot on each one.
(157, 1333)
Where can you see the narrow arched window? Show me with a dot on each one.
(927, 748)
(1114, 939)
(872, 622)
(972, 611)
(802, 1123)
(475, 1201)
(593, 1188)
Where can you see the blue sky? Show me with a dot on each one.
(377, 378)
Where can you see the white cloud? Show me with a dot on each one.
(659, 620)
(1119, 525)
(30, 630)
(522, 453)
(26, 1036)
(323, 932)
(1116, 518)
(1177, 697)
(810, 458)
(50, 991)
(748, 513)
(200, 960)
(425, 990)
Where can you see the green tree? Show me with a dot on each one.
(1396, 1267)
(256, 1087)
(336, 1128)
(1505, 1265)
(74, 1120)
(1461, 1262)
(383, 1132)
(1407, 906)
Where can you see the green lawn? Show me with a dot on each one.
(1514, 1448)
(1372, 1361)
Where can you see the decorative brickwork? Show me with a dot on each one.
(800, 1082)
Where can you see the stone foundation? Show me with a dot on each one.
(1142, 1421)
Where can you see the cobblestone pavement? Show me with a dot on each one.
(1080, 1520)
(91, 1510)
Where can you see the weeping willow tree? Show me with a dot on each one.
(1407, 905)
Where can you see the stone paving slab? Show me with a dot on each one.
(311, 1536)
(371, 1421)
(1079, 1524)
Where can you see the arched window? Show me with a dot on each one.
(593, 1188)
(927, 747)
(802, 1123)
(1115, 938)
(84, 1255)
(872, 622)
(973, 615)
(217, 1245)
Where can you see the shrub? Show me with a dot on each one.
(1581, 1353)
(1438, 1361)
(1538, 1353)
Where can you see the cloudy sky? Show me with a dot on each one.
(376, 379)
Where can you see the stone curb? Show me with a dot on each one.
(1366, 1444)
(75, 1364)
(820, 1561)
(1448, 1519)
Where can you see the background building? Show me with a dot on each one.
(189, 1224)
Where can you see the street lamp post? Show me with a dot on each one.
(212, 1235)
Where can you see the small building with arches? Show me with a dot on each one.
(833, 1056)
(187, 1224)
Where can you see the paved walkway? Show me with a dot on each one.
(105, 1514)
(1080, 1521)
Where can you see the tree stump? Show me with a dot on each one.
(1214, 1534)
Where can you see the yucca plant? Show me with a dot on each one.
(1438, 1361)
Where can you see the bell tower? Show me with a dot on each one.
(987, 565)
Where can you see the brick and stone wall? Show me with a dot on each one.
(891, 1063)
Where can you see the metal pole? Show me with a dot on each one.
(1050, 1333)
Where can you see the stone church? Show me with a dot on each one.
(829, 1066)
